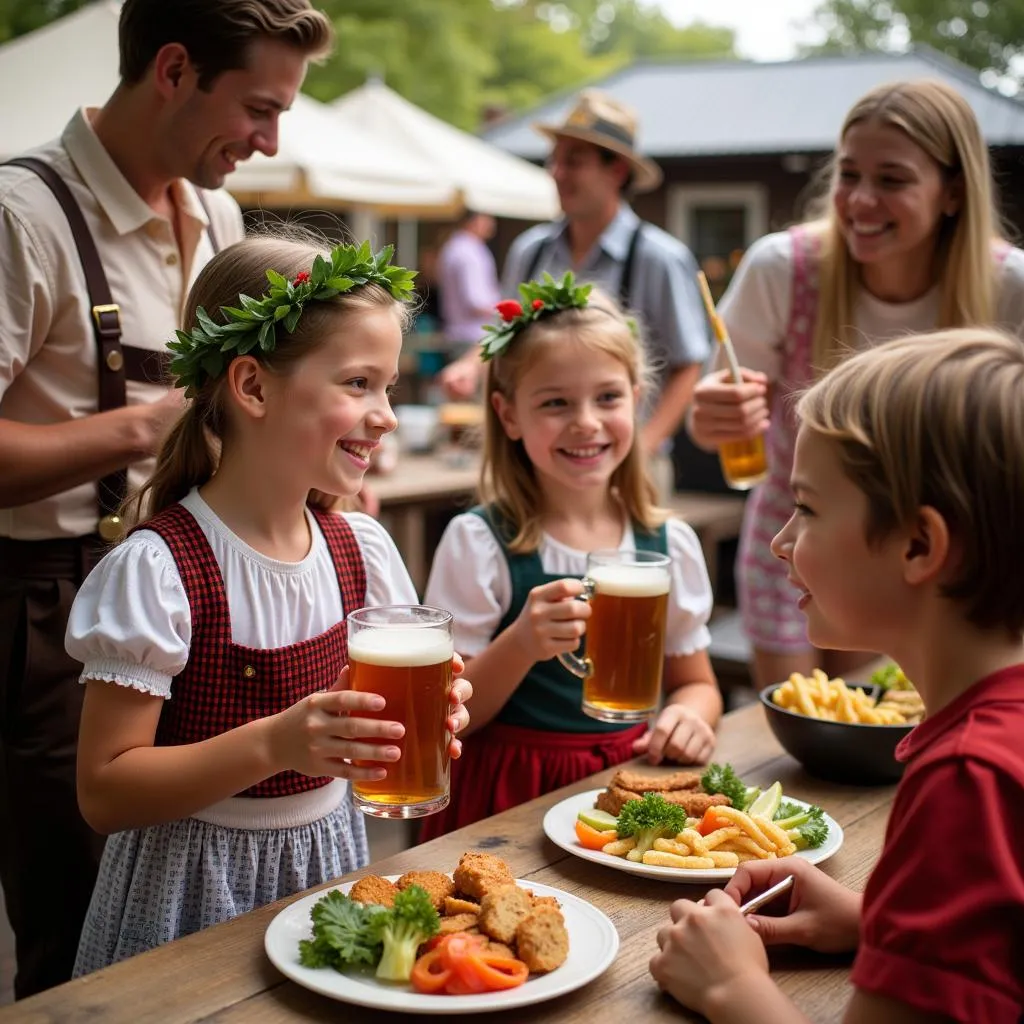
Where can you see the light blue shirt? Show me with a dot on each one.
(664, 297)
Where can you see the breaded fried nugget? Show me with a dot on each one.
(542, 941)
(544, 901)
(499, 949)
(438, 887)
(478, 873)
(453, 905)
(614, 799)
(695, 804)
(458, 923)
(501, 910)
(374, 889)
(638, 782)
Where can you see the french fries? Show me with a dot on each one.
(834, 701)
(743, 838)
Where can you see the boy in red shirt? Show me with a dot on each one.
(906, 538)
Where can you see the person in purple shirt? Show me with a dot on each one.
(467, 279)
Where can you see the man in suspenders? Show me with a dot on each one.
(596, 167)
(102, 232)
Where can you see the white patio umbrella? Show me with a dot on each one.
(489, 179)
(47, 74)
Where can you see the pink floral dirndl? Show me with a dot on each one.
(768, 601)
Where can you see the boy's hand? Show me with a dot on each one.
(823, 915)
(552, 622)
(679, 734)
(706, 951)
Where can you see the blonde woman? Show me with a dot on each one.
(910, 241)
(564, 474)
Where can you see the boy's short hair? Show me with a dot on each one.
(216, 33)
(938, 420)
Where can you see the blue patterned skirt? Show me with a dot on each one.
(161, 883)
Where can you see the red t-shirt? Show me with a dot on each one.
(943, 919)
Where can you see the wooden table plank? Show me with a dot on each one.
(222, 974)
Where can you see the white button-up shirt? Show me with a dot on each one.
(48, 371)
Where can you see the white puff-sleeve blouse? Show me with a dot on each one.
(130, 622)
(470, 577)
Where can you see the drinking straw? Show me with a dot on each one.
(718, 326)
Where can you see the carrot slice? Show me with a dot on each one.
(591, 839)
(429, 975)
(501, 972)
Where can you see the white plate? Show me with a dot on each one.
(593, 943)
(560, 828)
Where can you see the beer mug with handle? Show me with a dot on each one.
(404, 653)
(625, 638)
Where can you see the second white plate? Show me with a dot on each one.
(593, 943)
(560, 828)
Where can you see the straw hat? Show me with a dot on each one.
(604, 121)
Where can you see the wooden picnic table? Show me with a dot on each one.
(223, 975)
(421, 484)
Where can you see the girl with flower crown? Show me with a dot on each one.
(217, 736)
(563, 475)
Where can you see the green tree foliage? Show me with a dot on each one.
(984, 34)
(20, 16)
(457, 58)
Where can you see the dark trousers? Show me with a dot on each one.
(48, 855)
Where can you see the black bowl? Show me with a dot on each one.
(837, 751)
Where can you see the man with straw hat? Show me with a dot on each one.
(596, 167)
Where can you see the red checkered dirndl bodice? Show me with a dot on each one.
(225, 685)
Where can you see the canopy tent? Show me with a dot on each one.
(46, 75)
(489, 179)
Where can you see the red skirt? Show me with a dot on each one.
(503, 766)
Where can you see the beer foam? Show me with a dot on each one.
(630, 580)
(400, 647)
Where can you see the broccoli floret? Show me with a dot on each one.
(720, 778)
(403, 930)
(344, 932)
(649, 818)
(805, 826)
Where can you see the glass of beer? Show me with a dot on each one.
(744, 463)
(625, 639)
(404, 653)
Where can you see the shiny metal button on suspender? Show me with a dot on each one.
(115, 360)
(111, 528)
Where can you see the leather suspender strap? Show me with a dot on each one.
(210, 233)
(106, 324)
(625, 282)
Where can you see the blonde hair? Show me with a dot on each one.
(191, 451)
(937, 118)
(938, 420)
(508, 478)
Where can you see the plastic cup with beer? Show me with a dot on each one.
(404, 654)
(744, 463)
(625, 639)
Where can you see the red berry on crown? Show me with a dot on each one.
(301, 277)
(538, 303)
(509, 309)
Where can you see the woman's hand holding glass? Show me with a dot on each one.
(323, 733)
(723, 411)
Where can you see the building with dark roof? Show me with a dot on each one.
(740, 142)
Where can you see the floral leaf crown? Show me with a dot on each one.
(540, 298)
(204, 353)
